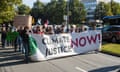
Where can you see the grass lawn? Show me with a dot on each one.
(111, 48)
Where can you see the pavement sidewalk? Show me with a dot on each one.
(9, 58)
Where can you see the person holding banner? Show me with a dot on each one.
(49, 30)
(25, 39)
(93, 25)
(38, 30)
(72, 29)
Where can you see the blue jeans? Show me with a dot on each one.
(26, 48)
(19, 42)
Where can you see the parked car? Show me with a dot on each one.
(111, 33)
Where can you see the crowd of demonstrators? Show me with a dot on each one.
(58, 29)
(5, 38)
(25, 41)
(21, 41)
(17, 38)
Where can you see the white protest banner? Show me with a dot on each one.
(59, 45)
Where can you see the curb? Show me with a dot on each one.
(106, 52)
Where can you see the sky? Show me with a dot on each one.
(30, 2)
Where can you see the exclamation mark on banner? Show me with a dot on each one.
(99, 38)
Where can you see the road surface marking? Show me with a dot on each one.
(80, 69)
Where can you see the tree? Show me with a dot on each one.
(38, 10)
(60, 11)
(77, 12)
(115, 8)
(108, 10)
(100, 11)
(50, 10)
(23, 9)
(7, 9)
(55, 10)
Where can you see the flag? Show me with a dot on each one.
(39, 22)
(35, 54)
(46, 23)
(33, 45)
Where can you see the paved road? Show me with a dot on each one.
(90, 62)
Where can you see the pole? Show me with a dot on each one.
(67, 15)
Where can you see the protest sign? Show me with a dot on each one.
(58, 45)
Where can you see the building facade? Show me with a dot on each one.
(90, 6)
